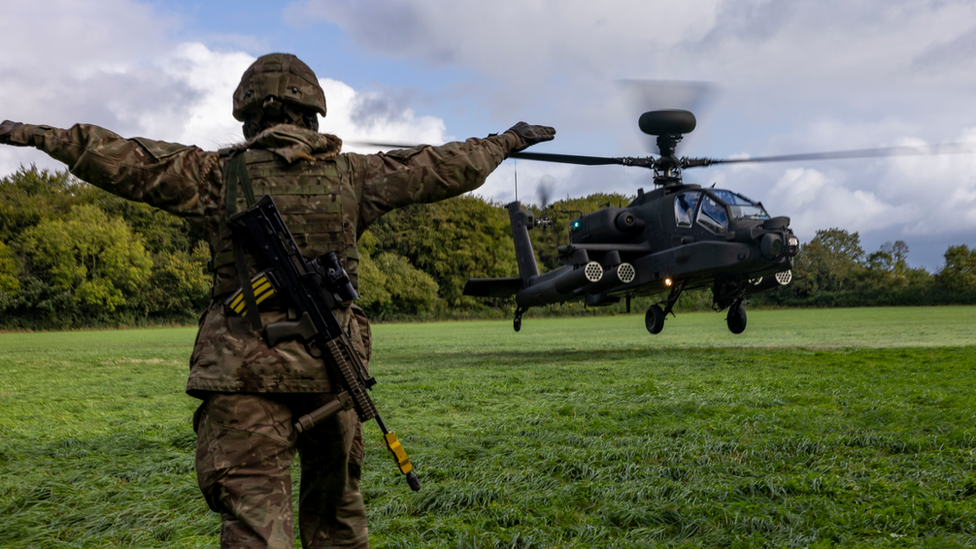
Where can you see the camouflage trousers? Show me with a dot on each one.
(245, 447)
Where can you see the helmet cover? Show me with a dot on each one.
(281, 75)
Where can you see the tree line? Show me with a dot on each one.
(72, 255)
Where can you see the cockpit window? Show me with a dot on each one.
(740, 206)
(684, 208)
(713, 216)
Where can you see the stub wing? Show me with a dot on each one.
(492, 287)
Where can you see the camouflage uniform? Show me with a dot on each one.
(252, 393)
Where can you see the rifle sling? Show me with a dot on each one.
(254, 315)
(237, 174)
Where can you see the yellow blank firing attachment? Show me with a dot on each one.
(402, 461)
(262, 290)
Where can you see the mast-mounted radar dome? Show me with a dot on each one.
(668, 122)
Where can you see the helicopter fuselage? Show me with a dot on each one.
(681, 234)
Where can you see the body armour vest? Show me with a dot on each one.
(317, 202)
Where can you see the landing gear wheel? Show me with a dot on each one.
(736, 318)
(654, 319)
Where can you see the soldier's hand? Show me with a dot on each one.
(532, 134)
(6, 129)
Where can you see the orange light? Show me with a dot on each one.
(667, 282)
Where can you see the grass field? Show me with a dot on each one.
(815, 428)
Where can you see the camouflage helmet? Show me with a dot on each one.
(281, 75)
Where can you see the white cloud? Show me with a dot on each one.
(768, 48)
(908, 196)
(214, 77)
(152, 86)
(182, 94)
(798, 188)
(62, 42)
(370, 117)
(509, 39)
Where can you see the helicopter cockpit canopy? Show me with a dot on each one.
(740, 206)
(684, 207)
(717, 208)
(713, 215)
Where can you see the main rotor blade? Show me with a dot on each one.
(649, 162)
(920, 150)
(584, 160)
(541, 157)
(383, 145)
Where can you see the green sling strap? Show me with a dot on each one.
(237, 175)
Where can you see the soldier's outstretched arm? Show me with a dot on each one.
(176, 178)
(428, 174)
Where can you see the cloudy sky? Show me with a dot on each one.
(767, 77)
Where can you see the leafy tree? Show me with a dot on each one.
(959, 272)
(451, 241)
(829, 262)
(31, 196)
(179, 283)
(390, 286)
(412, 291)
(888, 268)
(374, 298)
(97, 258)
(899, 255)
(367, 243)
(32, 201)
(161, 232)
(8, 271)
(880, 261)
(38, 305)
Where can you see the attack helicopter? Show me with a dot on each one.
(675, 238)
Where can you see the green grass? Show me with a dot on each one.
(814, 428)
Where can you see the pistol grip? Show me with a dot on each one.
(303, 329)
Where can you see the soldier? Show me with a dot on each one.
(252, 393)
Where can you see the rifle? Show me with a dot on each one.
(313, 289)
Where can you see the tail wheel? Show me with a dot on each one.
(654, 319)
(736, 318)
